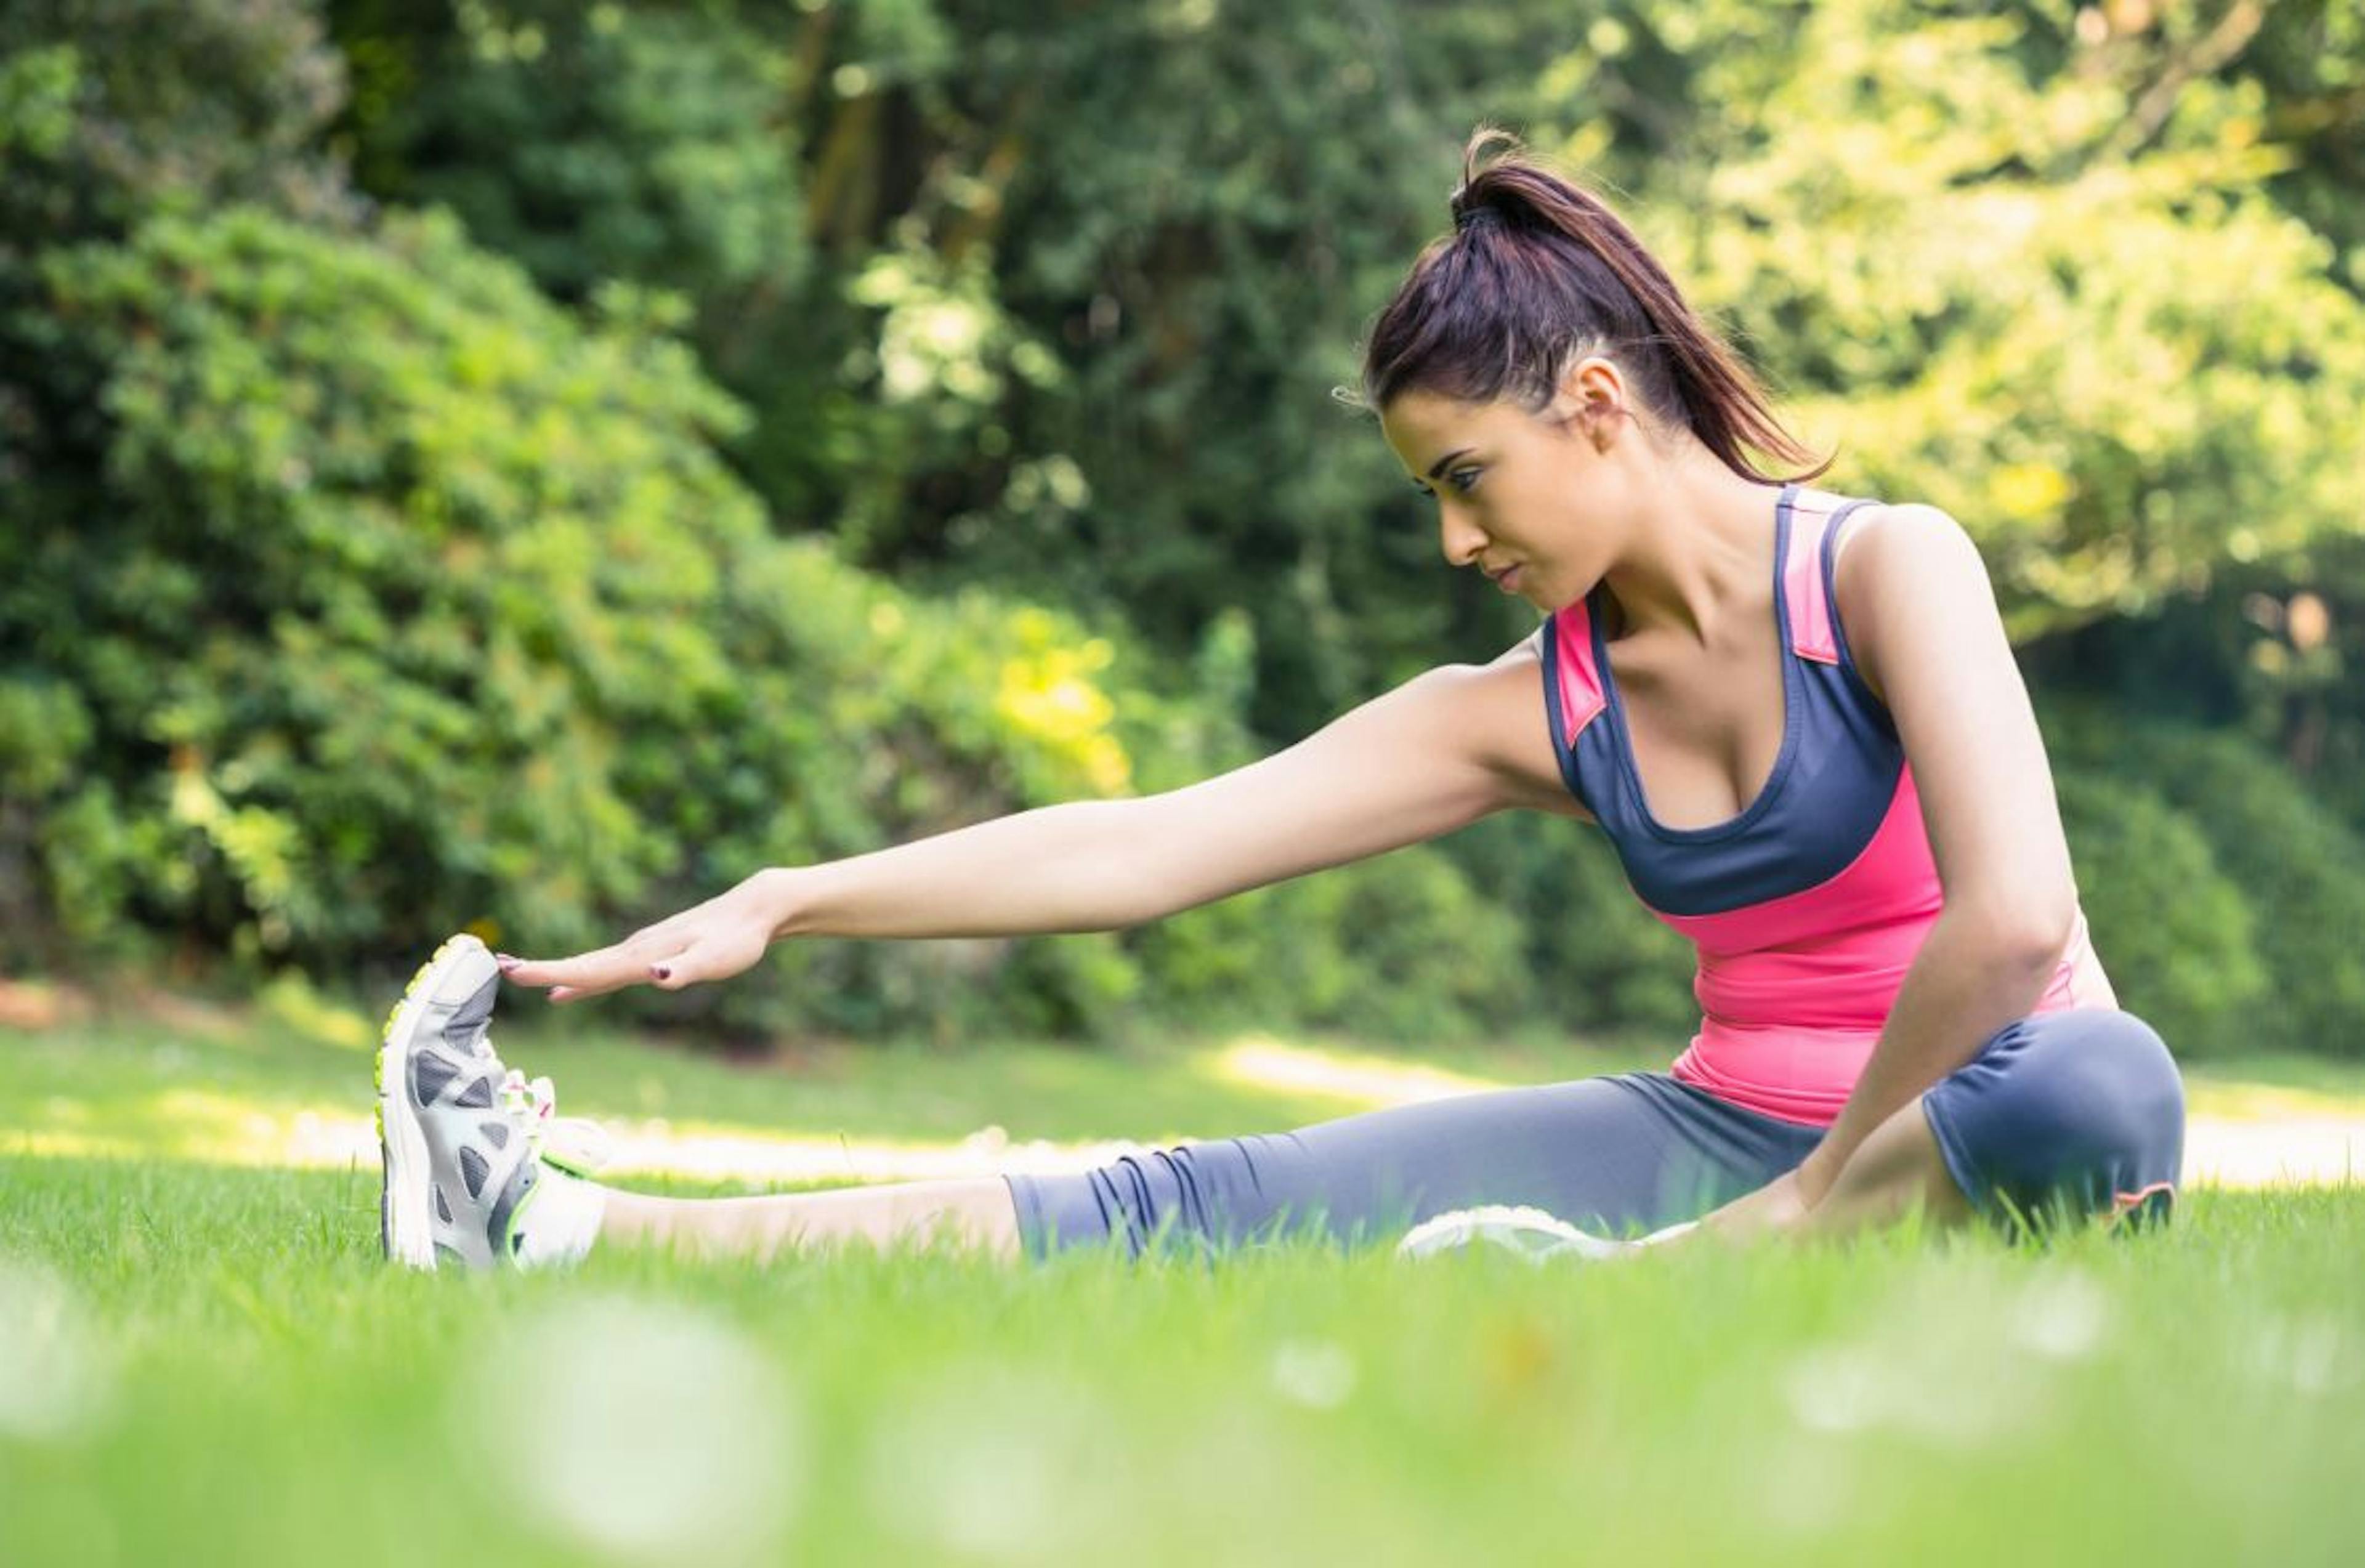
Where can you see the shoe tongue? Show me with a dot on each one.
(464, 1030)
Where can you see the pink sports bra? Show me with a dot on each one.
(1807, 909)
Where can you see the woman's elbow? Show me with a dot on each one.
(2032, 932)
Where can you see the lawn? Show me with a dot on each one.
(204, 1360)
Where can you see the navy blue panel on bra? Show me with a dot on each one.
(1831, 785)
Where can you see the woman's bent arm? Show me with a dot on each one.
(1437, 753)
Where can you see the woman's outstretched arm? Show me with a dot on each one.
(1436, 753)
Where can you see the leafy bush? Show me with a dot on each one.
(1599, 960)
(589, 142)
(112, 108)
(408, 601)
(2298, 870)
(2174, 932)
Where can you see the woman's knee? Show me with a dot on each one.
(2082, 1110)
(2124, 1094)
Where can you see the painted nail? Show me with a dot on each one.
(660, 972)
(505, 961)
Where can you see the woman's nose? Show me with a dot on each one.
(1463, 541)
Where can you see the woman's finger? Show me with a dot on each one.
(565, 993)
(602, 970)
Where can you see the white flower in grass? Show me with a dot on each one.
(2312, 1354)
(999, 1463)
(1315, 1374)
(1806, 1489)
(2060, 1315)
(645, 1430)
(1839, 1388)
(57, 1378)
(1937, 1360)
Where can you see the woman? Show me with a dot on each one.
(1795, 714)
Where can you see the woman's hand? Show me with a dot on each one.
(717, 939)
(1779, 1205)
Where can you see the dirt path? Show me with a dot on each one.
(2220, 1152)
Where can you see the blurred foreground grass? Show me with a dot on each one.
(204, 1363)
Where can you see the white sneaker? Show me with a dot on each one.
(1531, 1233)
(470, 1174)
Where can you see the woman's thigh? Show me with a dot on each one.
(1619, 1154)
(2081, 1111)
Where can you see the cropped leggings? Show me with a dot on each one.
(2077, 1111)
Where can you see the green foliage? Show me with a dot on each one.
(108, 108)
(2091, 338)
(1406, 947)
(2309, 56)
(589, 142)
(366, 542)
(350, 585)
(2211, 869)
(440, 607)
(37, 101)
(1070, 328)
(2034, 265)
(1599, 960)
(1212, 202)
(2174, 931)
(44, 730)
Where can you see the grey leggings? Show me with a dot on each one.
(2082, 1108)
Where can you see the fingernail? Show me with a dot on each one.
(660, 972)
(505, 961)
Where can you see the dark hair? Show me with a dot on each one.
(1539, 272)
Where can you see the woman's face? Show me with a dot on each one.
(1516, 491)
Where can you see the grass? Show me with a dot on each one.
(205, 1362)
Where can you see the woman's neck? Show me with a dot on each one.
(1700, 548)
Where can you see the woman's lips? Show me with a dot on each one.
(1507, 579)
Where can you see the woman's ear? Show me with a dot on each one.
(1591, 402)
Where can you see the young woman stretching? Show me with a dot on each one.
(1794, 713)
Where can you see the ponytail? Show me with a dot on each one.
(1538, 274)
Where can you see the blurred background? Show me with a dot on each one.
(525, 465)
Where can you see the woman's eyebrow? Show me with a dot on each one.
(1438, 466)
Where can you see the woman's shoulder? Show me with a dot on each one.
(1505, 701)
(1893, 561)
(1889, 537)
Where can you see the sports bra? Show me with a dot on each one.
(1807, 908)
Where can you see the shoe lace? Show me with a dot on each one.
(571, 1143)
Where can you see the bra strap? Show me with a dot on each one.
(1807, 579)
(1581, 698)
(1809, 605)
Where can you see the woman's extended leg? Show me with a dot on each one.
(1614, 1152)
(1615, 1155)
(2081, 1106)
(971, 1212)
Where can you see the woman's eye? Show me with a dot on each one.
(1461, 479)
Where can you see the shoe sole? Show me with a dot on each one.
(406, 1231)
(1495, 1225)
